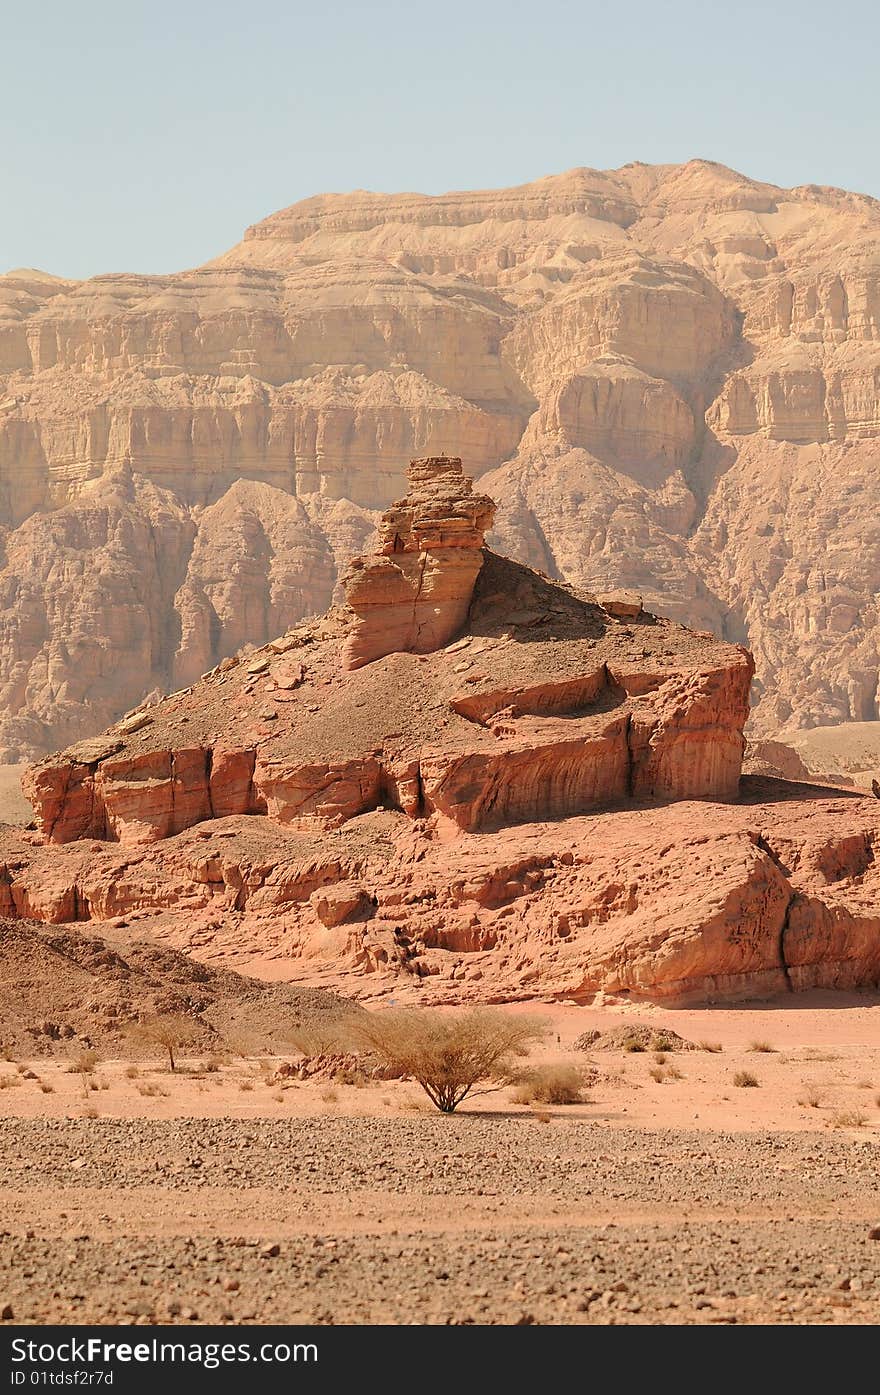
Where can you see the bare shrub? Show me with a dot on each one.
(848, 1119)
(661, 1058)
(83, 1063)
(713, 1046)
(168, 1031)
(550, 1084)
(46, 1088)
(657, 1073)
(763, 1046)
(449, 1054)
(672, 1072)
(745, 1080)
(811, 1098)
(9, 1082)
(245, 1084)
(329, 1096)
(149, 1089)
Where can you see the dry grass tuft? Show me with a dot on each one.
(848, 1119)
(713, 1046)
(550, 1084)
(763, 1046)
(745, 1080)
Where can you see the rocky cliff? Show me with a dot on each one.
(666, 375)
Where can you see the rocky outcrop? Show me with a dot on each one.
(414, 594)
(548, 704)
(546, 803)
(708, 901)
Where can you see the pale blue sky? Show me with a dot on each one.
(145, 137)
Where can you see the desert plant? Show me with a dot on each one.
(84, 1062)
(131, 1072)
(661, 1058)
(713, 1046)
(811, 1098)
(657, 1073)
(169, 1031)
(9, 1082)
(550, 1084)
(449, 1054)
(46, 1088)
(745, 1080)
(763, 1046)
(672, 1072)
(848, 1119)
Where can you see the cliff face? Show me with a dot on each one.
(668, 377)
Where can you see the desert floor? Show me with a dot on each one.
(224, 1194)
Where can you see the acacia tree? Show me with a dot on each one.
(449, 1054)
(169, 1031)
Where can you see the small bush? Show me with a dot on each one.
(329, 1096)
(83, 1063)
(848, 1119)
(149, 1089)
(46, 1088)
(542, 1116)
(90, 1112)
(131, 1072)
(661, 1058)
(633, 1045)
(9, 1082)
(657, 1073)
(745, 1080)
(713, 1046)
(811, 1098)
(550, 1084)
(763, 1046)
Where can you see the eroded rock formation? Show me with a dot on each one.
(667, 376)
(547, 705)
(414, 593)
(548, 802)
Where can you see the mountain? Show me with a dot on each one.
(468, 781)
(667, 376)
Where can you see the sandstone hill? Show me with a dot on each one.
(466, 782)
(667, 376)
(65, 990)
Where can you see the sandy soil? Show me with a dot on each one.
(14, 808)
(684, 1199)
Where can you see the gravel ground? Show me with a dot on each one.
(472, 1219)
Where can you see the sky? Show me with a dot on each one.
(146, 137)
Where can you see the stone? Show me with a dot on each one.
(413, 594)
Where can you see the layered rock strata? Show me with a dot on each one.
(414, 593)
(666, 375)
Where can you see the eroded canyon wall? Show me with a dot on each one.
(668, 377)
